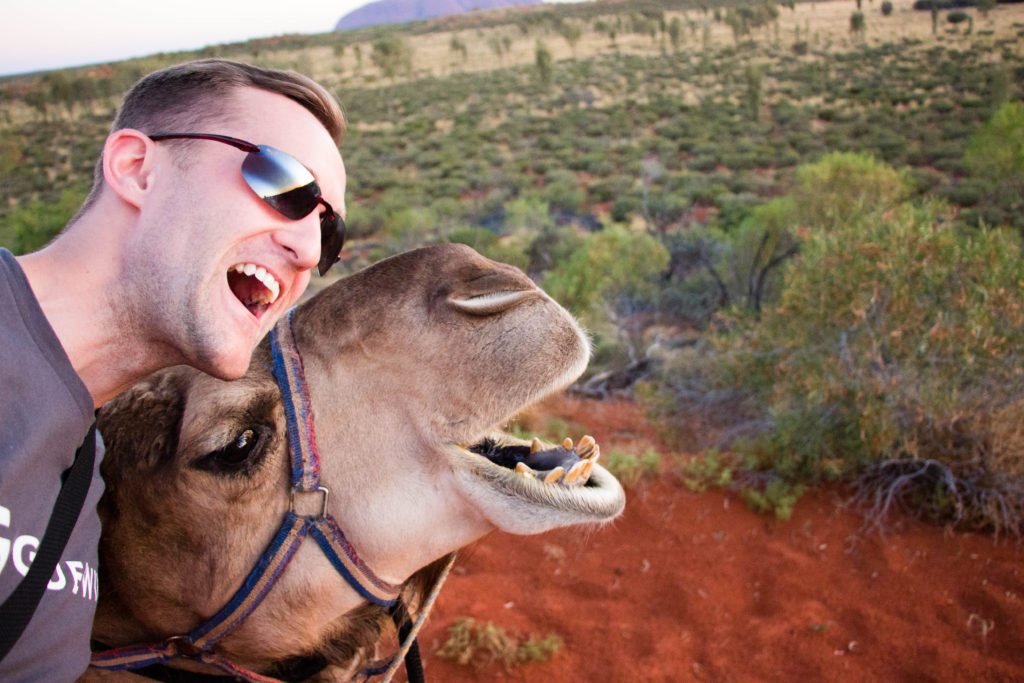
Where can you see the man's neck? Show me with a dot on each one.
(79, 292)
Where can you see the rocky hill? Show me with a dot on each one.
(398, 11)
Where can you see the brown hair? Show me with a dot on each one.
(184, 97)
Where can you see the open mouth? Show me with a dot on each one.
(564, 465)
(254, 287)
(528, 487)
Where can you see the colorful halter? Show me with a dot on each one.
(305, 478)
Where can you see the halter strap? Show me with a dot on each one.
(298, 407)
(305, 478)
(298, 410)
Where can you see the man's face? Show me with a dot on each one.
(203, 232)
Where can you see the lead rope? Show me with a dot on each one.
(428, 605)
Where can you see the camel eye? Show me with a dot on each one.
(238, 455)
(238, 451)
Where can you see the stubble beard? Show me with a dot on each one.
(159, 330)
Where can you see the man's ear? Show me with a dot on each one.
(129, 158)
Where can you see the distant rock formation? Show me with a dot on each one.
(396, 11)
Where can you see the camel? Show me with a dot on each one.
(412, 366)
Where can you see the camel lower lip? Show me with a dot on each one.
(530, 502)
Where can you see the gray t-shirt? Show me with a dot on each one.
(45, 412)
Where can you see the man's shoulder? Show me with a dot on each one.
(34, 365)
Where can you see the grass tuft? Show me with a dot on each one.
(480, 645)
(630, 469)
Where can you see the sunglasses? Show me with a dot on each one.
(285, 184)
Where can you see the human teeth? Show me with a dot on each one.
(536, 446)
(261, 274)
(554, 475)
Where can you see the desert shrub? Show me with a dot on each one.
(624, 207)
(33, 225)
(841, 184)
(997, 148)
(630, 468)
(897, 340)
(612, 282)
(772, 495)
(995, 156)
(857, 23)
(611, 263)
(887, 8)
(694, 287)
(527, 215)
(543, 63)
(552, 245)
(392, 55)
(408, 228)
(968, 192)
(562, 190)
(11, 154)
(761, 246)
(958, 17)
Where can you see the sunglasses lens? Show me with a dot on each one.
(281, 181)
(332, 239)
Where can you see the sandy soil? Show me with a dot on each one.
(696, 587)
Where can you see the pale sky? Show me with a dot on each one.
(48, 34)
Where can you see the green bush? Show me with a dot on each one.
(843, 184)
(995, 159)
(897, 338)
(996, 150)
(610, 263)
(630, 469)
(32, 226)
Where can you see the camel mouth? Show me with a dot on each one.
(526, 487)
(564, 465)
(254, 287)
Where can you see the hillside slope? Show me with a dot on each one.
(398, 11)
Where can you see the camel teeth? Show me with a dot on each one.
(536, 446)
(585, 445)
(588, 467)
(554, 475)
(523, 470)
(594, 455)
(567, 444)
(575, 472)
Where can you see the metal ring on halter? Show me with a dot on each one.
(184, 647)
(323, 505)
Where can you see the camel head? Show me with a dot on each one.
(412, 366)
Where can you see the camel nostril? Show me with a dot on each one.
(493, 302)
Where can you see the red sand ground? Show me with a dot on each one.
(695, 587)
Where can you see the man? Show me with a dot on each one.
(214, 193)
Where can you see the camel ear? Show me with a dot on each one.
(140, 427)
